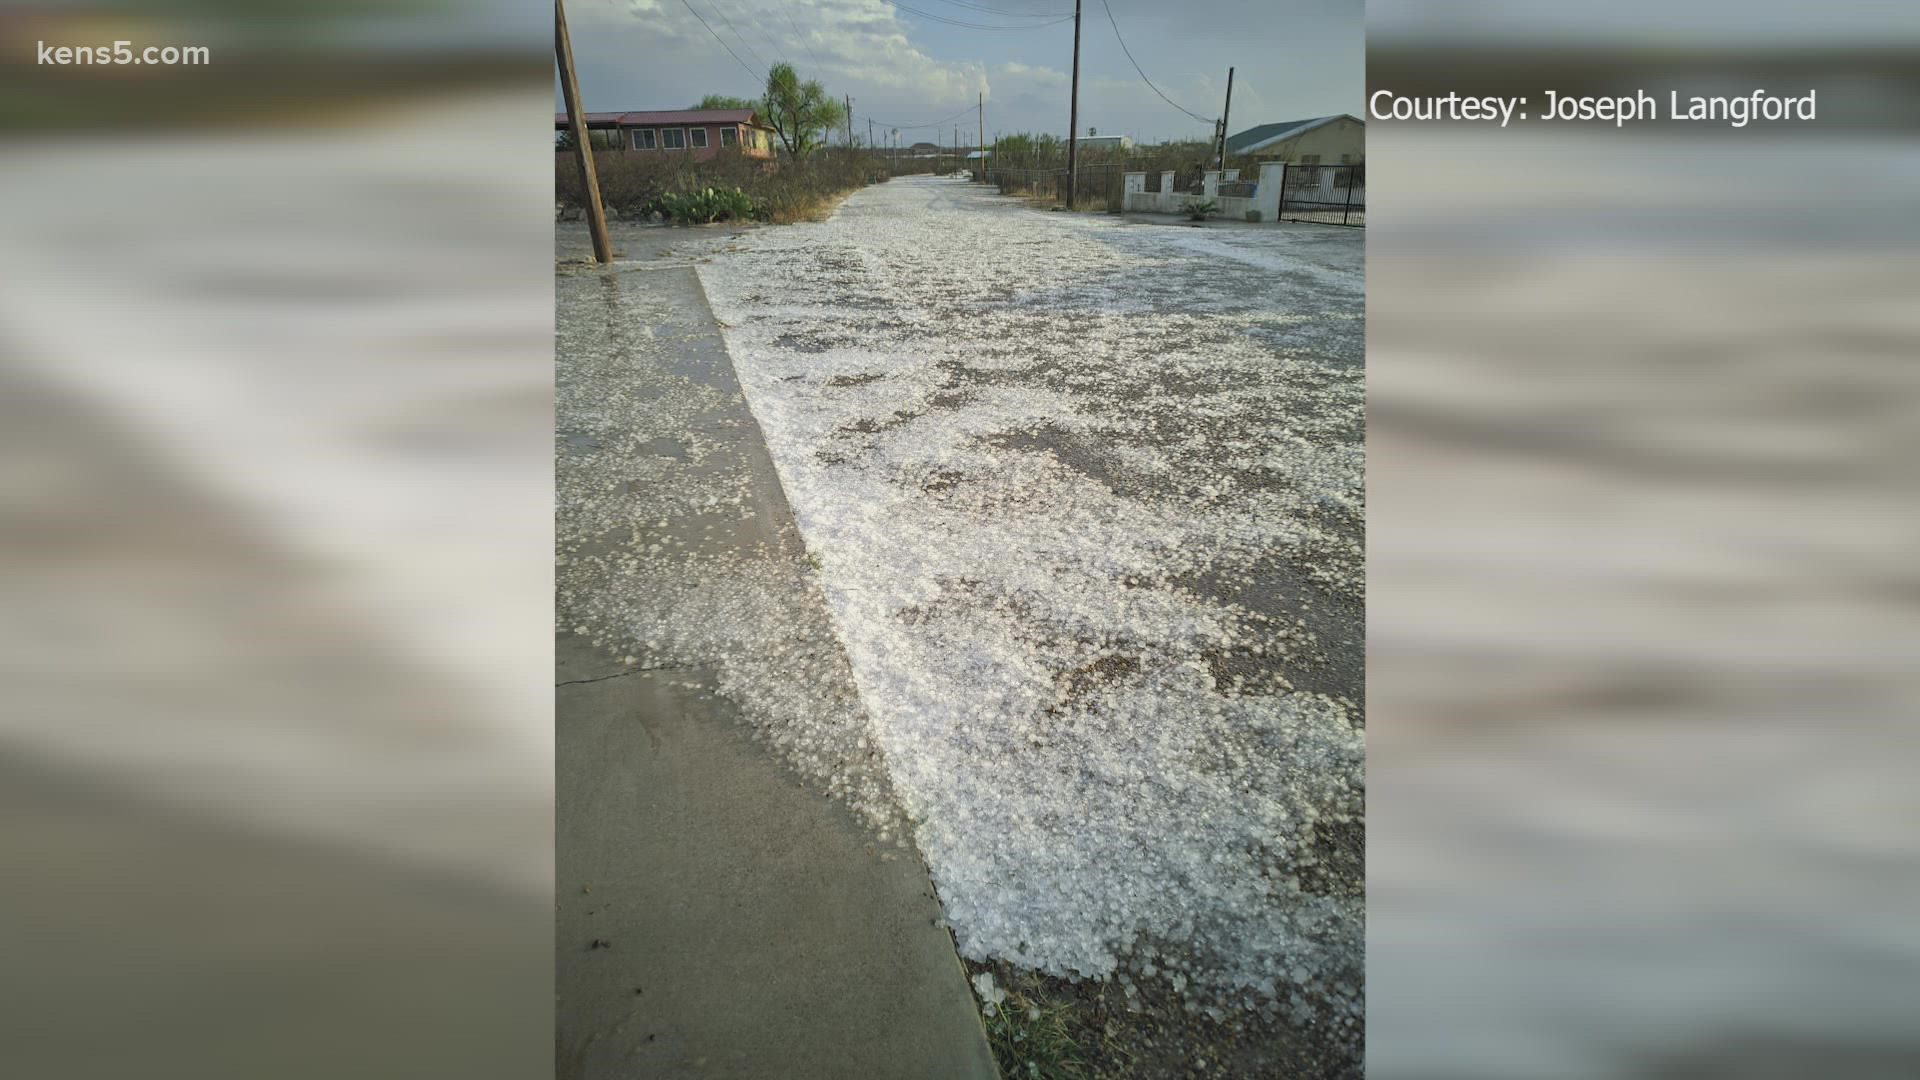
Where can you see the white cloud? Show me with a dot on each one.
(1013, 70)
(655, 54)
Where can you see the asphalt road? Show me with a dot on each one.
(1086, 499)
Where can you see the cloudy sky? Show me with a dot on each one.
(1295, 59)
(1651, 23)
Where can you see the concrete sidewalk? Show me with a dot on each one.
(716, 917)
(750, 928)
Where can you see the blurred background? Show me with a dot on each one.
(275, 497)
(1643, 598)
(275, 544)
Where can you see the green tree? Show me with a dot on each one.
(800, 112)
(722, 101)
(1025, 151)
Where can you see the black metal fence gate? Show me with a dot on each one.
(1326, 194)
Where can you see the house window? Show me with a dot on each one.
(1309, 159)
(673, 138)
(643, 139)
(699, 137)
(604, 139)
(729, 136)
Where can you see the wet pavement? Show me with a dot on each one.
(718, 913)
(1086, 499)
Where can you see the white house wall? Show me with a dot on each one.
(1343, 136)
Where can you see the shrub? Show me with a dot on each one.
(784, 189)
(706, 205)
(1036, 165)
(1199, 209)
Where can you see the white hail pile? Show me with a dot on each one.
(1040, 459)
(667, 554)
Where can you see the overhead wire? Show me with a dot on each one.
(972, 25)
(722, 41)
(779, 50)
(1143, 74)
(1004, 11)
(953, 22)
(931, 123)
(722, 12)
(791, 21)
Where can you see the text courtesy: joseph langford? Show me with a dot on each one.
(1617, 109)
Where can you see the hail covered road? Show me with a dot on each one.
(1084, 502)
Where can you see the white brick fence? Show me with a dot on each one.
(1266, 198)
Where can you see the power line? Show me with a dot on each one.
(803, 40)
(722, 12)
(1004, 11)
(778, 49)
(934, 123)
(931, 123)
(722, 41)
(973, 26)
(1143, 74)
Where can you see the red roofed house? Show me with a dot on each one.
(700, 132)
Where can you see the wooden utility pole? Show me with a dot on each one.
(1073, 112)
(849, 121)
(981, 105)
(1225, 111)
(869, 133)
(582, 148)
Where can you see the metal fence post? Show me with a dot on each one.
(1348, 209)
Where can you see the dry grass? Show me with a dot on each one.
(819, 209)
(1084, 204)
(1032, 1039)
